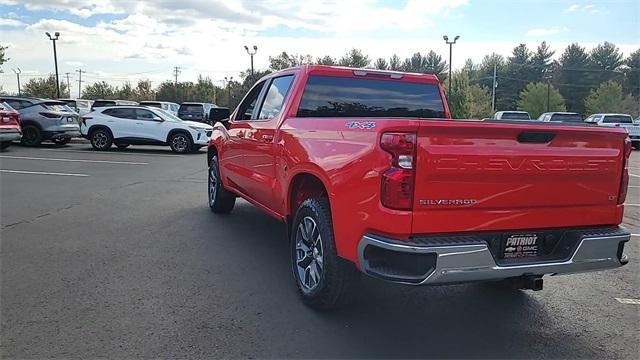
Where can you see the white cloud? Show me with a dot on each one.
(11, 23)
(588, 8)
(546, 31)
(572, 8)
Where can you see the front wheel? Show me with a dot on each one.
(324, 280)
(180, 143)
(221, 201)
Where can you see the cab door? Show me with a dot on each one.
(232, 164)
(258, 143)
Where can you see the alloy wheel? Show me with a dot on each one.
(213, 184)
(100, 139)
(179, 142)
(309, 254)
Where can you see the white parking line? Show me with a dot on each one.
(635, 234)
(634, 175)
(625, 204)
(74, 160)
(41, 173)
(628, 301)
(111, 153)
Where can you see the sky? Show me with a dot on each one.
(127, 40)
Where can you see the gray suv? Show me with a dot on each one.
(44, 120)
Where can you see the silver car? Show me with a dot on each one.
(44, 120)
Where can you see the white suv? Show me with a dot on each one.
(140, 125)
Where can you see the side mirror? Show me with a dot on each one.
(221, 114)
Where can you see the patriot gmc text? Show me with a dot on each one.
(371, 174)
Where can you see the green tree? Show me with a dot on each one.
(43, 87)
(514, 78)
(436, 65)
(606, 98)
(631, 83)
(285, 60)
(126, 92)
(381, 64)
(574, 78)
(466, 100)
(395, 63)
(541, 62)
(416, 63)
(326, 60)
(144, 91)
(3, 58)
(605, 60)
(354, 58)
(533, 99)
(630, 105)
(99, 90)
(479, 99)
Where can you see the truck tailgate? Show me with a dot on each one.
(473, 176)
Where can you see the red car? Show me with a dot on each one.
(9, 125)
(371, 175)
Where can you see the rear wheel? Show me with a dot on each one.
(180, 143)
(31, 136)
(101, 139)
(324, 280)
(221, 201)
(62, 141)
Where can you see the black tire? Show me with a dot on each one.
(62, 141)
(636, 145)
(337, 283)
(180, 142)
(5, 144)
(221, 201)
(31, 136)
(122, 146)
(101, 139)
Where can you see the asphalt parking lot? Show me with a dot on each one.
(117, 255)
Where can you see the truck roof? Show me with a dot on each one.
(343, 71)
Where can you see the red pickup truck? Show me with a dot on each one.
(371, 175)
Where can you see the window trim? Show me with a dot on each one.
(259, 100)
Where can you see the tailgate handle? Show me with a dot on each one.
(540, 137)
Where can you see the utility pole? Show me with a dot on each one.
(80, 71)
(446, 39)
(55, 60)
(68, 84)
(548, 91)
(251, 53)
(18, 71)
(176, 72)
(495, 85)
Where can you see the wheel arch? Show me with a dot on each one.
(176, 131)
(304, 185)
(25, 123)
(93, 128)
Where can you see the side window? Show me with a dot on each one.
(15, 104)
(597, 118)
(248, 105)
(142, 114)
(122, 113)
(275, 96)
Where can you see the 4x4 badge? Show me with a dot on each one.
(360, 125)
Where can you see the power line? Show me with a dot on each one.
(176, 71)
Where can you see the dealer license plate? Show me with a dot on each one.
(521, 246)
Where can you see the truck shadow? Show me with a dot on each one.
(389, 320)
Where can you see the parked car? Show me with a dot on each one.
(102, 103)
(618, 120)
(81, 106)
(164, 105)
(568, 117)
(511, 115)
(141, 125)
(9, 125)
(194, 111)
(370, 173)
(44, 120)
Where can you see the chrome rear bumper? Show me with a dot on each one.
(471, 260)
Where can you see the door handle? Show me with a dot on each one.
(139, 123)
(267, 138)
(240, 134)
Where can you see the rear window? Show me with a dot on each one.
(515, 116)
(618, 119)
(56, 107)
(326, 96)
(99, 103)
(567, 118)
(154, 104)
(191, 108)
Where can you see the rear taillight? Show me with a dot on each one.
(624, 182)
(50, 115)
(398, 181)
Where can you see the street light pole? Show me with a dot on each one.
(450, 43)
(55, 60)
(251, 53)
(548, 91)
